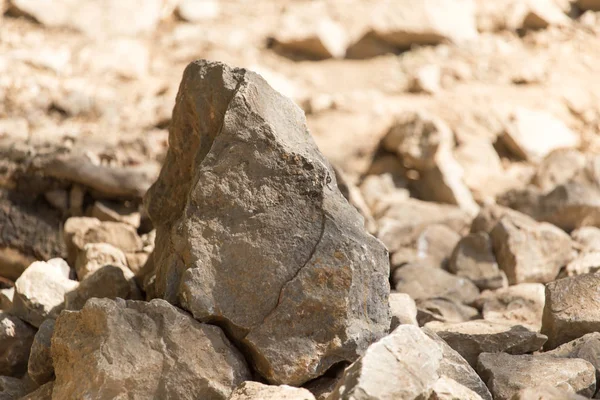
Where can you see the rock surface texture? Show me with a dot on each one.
(253, 234)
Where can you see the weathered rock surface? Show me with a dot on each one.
(40, 292)
(106, 338)
(558, 167)
(421, 282)
(444, 310)
(528, 251)
(571, 205)
(506, 374)
(252, 198)
(572, 309)
(11, 388)
(97, 255)
(117, 234)
(403, 310)
(546, 392)
(44, 392)
(257, 391)
(521, 304)
(586, 347)
(473, 258)
(584, 263)
(489, 215)
(402, 365)
(15, 341)
(472, 338)
(115, 212)
(40, 368)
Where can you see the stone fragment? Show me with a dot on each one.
(40, 293)
(449, 389)
(572, 309)
(40, 368)
(454, 367)
(528, 251)
(198, 10)
(521, 304)
(584, 263)
(257, 391)
(422, 282)
(402, 365)
(253, 232)
(588, 238)
(546, 392)
(444, 310)
(489, 215)
(427, 79)
(6, 298)
(76, 227)
(118, 234)
(15, 341)
(106, 338)
(97, 255)
(305, 30)
(107, 282)
(44, 392)
(571, 205)
(472, 338)
(542, 14)
(586, 348)
(96, 18)
(395, 26)
(482, 166)
(558, 167)
(532, 134)
(473, 258)
(507, 374)
(115, 212)
(403, 310)
(11, 388)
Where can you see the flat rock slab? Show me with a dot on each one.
(572, 309)
(107, 339)
(472, 338)
(253, 233)
(506, 374)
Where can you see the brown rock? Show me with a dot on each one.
(521, 304)
(489, 215)
(558, 167)
(94, 256)
(40, 368)
(546, 392)
(16, 337)
(115, 212)
(572, 309)
(571, 206)
(586, 348)
(593, 5)
(11, 388)
(444, 310)
(257, 391)
(44, 392)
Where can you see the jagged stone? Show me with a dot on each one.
(15, 342)
(40, 368)
(253, 233)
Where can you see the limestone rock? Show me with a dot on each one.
(255, 200)
(456, 368)
(403, 310)
(521, 304)
(422, 282)
(449, 389)
(528, 251)
(198, 10)
(11, 388)
(15, 341)
(40, 368)
(106, 338)
(257, 391)
(572, 309)
(558, 167)
(402, 365)
(588, 238)
(97, 255)
(115, 212)
(473, 258)
(427, 80)
(118, 234)
(472, 338)
(586, 348)
(444, 310)
(40, 293)
(584, 263)
(76, 226)
(506, 374)
(489, 215)
(95, 17)
(534, 134)
(546, 392)
(571, 205)
(107, 282)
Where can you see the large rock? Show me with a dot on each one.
(141, 350)
(253, 233)
(472, 338)
(15, 342)
(257, 391)
(506, 374)
(40, 368)
(40, 292)
(528, 251)
(572, 309)
(402, 365)
(95, 17)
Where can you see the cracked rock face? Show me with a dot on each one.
(254, 235)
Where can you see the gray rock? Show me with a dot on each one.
(258, 391)
(107, 282)
(528, 251)
(44, 392)
(253, 233)
(473, 258)
(572, 309)
(15, 342)
(444, 310)
(403, 310)
(472, 338)
(11, 388)
(40, 293)
(586, 347)
(141, 350)
(402, 365)
(506, 374)
(421, 282)
(40, 368)
(521, 304)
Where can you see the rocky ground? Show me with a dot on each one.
(357, 199)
